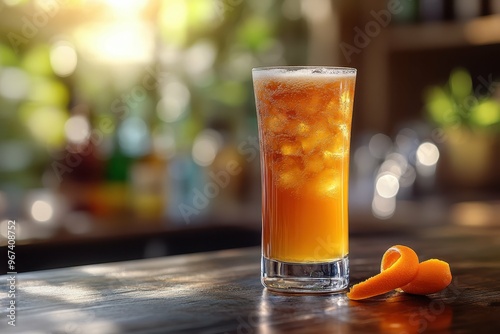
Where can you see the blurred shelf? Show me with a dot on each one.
(426, 52)
(101, 229)
(127, 245)
(441, 35)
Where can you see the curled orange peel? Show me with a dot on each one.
(433, 276)
(400, 269)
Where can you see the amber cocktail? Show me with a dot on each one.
(304, 118)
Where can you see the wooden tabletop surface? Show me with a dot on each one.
(220, 292)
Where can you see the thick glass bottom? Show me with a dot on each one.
(322, 277)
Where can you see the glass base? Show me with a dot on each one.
(322, 277)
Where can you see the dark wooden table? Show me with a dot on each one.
(220, 292)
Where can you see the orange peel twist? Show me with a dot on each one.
(433, 276)
(400, 269)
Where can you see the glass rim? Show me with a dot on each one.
(336, 69)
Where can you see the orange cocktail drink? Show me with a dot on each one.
(304, 116)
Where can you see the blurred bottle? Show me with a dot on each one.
(467, 9)
(109, 197)
(186, 202)
(148, 193)
(228, 172)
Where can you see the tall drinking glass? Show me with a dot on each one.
(304, 117)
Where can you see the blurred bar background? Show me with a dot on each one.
(128, 128)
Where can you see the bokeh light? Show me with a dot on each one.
(427, 154)
(14, 83)
(387, 186)
(63, 58)
(42, 211)
(205, 147)
(134, 137)
(77, 129)
(199, 58)
(174, 102)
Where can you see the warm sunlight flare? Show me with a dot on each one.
(116, 43)
(126, 6)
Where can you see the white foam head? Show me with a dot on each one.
(303, 72)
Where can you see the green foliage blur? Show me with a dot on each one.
(458, 103)
(201, 51)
